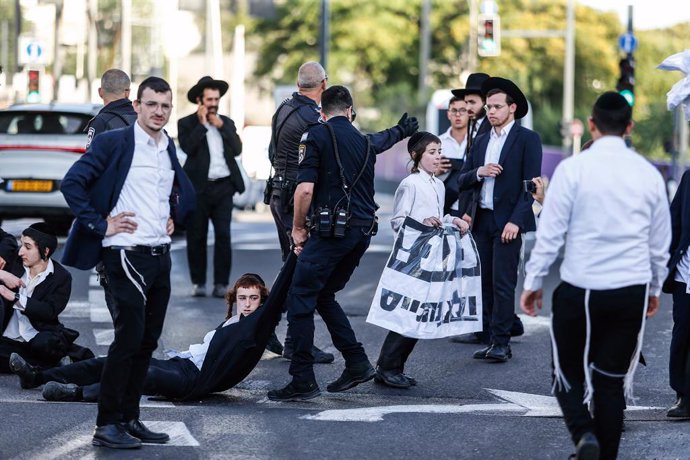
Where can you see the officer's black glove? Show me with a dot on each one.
(409, 125)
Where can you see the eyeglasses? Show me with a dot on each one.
(489, 107)
(456, 112)
(151, 105)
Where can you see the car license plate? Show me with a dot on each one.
(40, 186)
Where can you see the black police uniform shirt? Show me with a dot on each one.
(117, 114)
(294, 124)
(318, 165)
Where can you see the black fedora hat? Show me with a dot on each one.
(511, 90)
(473, 85)
(203, 83)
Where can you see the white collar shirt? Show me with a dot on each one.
(19, 327)
(608, 206)
(493, 154)
(197, 351)
(476, 125)
(146, 192)
(218, 167)
(452, 149)
(419, 195)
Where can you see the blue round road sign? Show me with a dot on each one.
(627, 42)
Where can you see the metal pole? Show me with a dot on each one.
(57, 55)
(17, 33)
(126, 41)
(214, 43)
(92, 53)
(569, 77)
(424, 51)
(5, 51)
(237, 82)
(474, 17)
(324, 34)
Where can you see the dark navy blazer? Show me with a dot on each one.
(92, 188)
(521, 160)
(680, 229)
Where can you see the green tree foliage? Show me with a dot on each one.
(374, 50)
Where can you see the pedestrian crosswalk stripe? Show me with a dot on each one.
(104, 336)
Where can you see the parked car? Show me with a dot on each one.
(38, 144)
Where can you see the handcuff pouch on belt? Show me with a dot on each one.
(268, 191)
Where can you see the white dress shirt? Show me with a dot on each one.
(493, 153)
(608, 205)
(419, 195)
(218, 167)
(19, 327)
(146, 192)
(197, 351)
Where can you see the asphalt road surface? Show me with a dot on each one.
(461, 409)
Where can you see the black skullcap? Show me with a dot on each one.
(44, 236)
(418, 139)
(611, 100)
(254, 275)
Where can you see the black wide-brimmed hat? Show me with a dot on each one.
(203, 83)
(511, 90)
(473, 85)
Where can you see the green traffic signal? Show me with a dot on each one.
(628, 95)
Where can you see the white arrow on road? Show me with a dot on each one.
(523, 404)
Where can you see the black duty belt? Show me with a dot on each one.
(281, 184)
(353, 222)
(153, 250)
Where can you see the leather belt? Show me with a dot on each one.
(360, 222)
(153, 250)
(219, 179)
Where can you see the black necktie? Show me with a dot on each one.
(470, 136)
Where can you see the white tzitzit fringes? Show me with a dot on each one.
(559, 380)
(589, 388)
(630, 375)
(125, 266)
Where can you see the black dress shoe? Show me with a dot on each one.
(412, 380)
(26, 372)
(352, 377)
(55, 391)
(274, 345)
(295, 392)
(499, 353)
(139, 430)
(681, 409)
(320, 356)
(114, 436)
(481, 354)
(392, 379)
(587, 447)
(517, 329)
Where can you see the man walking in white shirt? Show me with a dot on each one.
(454, 143)
(611, 203)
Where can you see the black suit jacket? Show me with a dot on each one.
(680, 229)
(8, 249)
(192, 137)
(48, 300)
(521, 160)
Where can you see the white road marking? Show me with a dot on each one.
(77, 309)
(104, 336)
(100, 314)
(522, 404)
(178, 432)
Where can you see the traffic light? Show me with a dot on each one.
(626, 82)
(33, 94)
(489, 35)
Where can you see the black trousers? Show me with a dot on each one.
(140, 284)
(41, 351)
(172, 378)
(499, 269)
(283, 219)
(395, 350)
(215, 203)
(679, 361)
(323, 268)
(615, 318)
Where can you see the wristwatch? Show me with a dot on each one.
(16, 296)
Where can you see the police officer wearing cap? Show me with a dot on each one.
(336, 183)
(498, 164)
(118, 111)
(211, 143)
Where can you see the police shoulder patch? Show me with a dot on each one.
(301, 152)
(89, 136)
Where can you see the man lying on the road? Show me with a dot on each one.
(178, 377)
(32, 296)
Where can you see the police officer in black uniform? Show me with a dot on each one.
(336, 181)
(290, 121)
(118, 111)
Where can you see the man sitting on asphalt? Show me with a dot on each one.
(31, 298)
